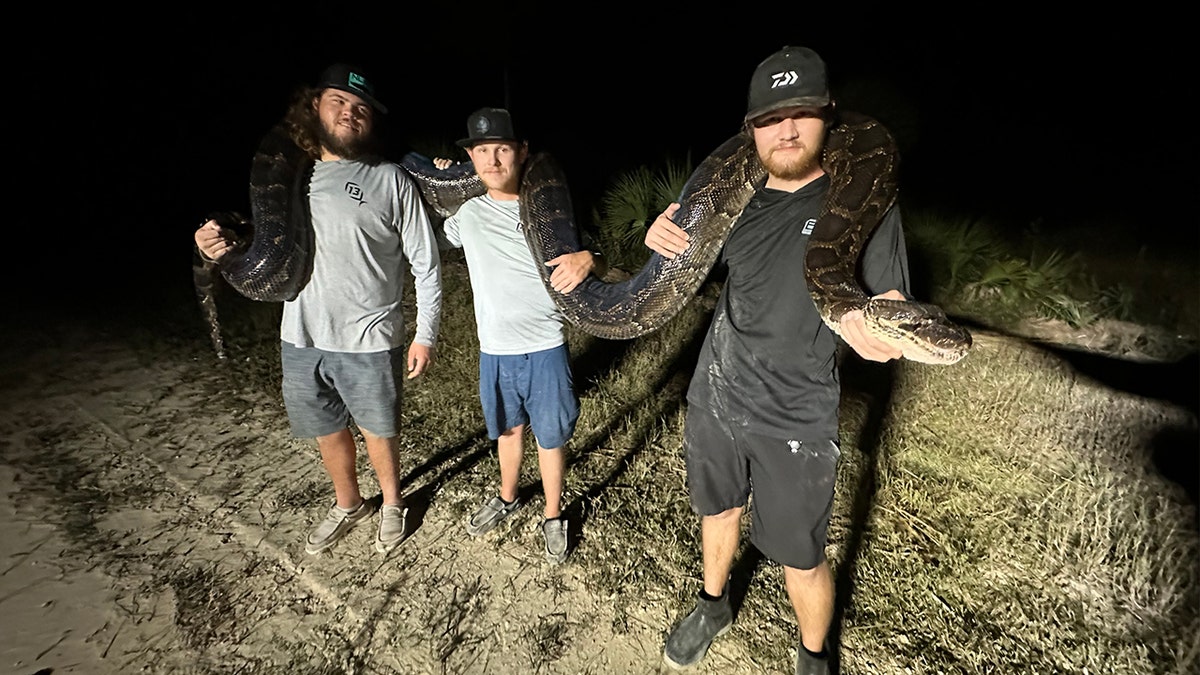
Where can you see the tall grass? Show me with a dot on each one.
(976, 268)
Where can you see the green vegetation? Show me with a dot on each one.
(630, 204)
(969, 266)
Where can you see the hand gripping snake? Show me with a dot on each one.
(860, 157)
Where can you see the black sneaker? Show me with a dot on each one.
(807, 664)
(689, 641)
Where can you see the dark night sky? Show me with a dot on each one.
(155, 117)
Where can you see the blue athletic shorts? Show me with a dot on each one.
(323, 391)
(788, 483)
(534, 389)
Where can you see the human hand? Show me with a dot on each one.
(664, 236)
(865, 343)
(570, 269)
(420, 357)
(211, 240)
(442, 162)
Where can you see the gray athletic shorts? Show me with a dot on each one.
(323, 391)
(791, 482)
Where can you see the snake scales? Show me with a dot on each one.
(860, 157)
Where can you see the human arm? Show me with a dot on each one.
(862, 341)
(212, 241)
(421, 250)
(664, 236)
(570, 269)
(420, 357)
(885, 266)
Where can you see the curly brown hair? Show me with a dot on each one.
(304, 125)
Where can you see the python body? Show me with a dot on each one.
(860, 157)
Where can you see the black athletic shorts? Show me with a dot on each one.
(787, 482)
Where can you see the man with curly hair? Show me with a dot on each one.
(342, 338)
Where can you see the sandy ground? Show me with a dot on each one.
(152, 517)
(145, 527)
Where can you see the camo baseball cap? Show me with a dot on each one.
(791, 77)
(351, 79)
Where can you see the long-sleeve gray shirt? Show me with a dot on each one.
(370, 226)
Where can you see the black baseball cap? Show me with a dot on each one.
(488, 124)
(791, 77)
(353, 80)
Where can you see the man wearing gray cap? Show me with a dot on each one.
(762, 418)
(342, 338)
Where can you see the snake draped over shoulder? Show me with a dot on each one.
(271, 258)
(860, 158)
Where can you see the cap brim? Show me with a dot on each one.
(798, 102)
(468, 142)
(371, 100)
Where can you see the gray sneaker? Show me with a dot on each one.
(335, 526)
(490, 515)
(393, 527)
(555, 532)
(689, 641)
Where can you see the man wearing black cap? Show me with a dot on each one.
(762, 419)
(342, 337)
(524, 361)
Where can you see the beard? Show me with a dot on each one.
(792, 167)
(352, 148)
(509, 182)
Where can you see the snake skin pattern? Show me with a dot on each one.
(861, 160)
(272, 254)
(860, 157)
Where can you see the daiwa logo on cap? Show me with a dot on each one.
(784, 78)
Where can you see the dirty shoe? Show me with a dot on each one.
(490, 515)
(393, 527)
(689, 641)
(554, 530)
(335, 526)
(807, 664)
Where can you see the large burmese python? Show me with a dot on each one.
(860, 157)
(272, 255)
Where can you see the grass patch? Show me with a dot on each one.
(998, 515)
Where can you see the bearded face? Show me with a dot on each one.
(790, 161)
(789, 143)
(340, 144)
(346, 122)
